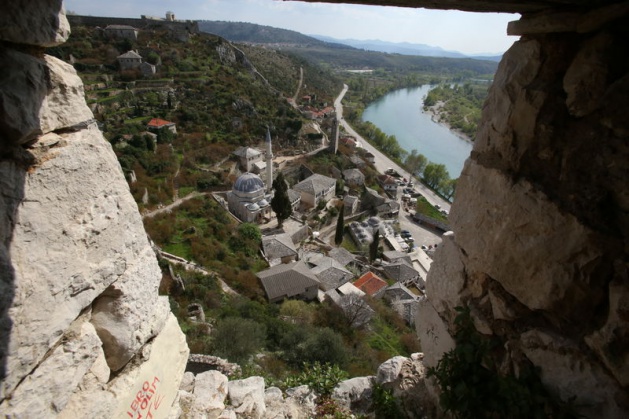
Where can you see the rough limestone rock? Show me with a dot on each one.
(432, 332)
(147, 384)
(247, 397)
(389, 369)
(46, 391)
(563, 366)
(355, 394)
(83, 332)
(277, 407)
(38, 95)
(608, 341)
(187, 382)
(303, 395)
(446, 277)
(210, 392)
(517, 217)
(416, 395)
(541, 217)
(40, 22)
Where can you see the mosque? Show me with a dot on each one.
(250, 199)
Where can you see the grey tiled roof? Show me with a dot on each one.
(130, 54)
(287, 280)
(393, 256)
(293, 195)
(400, 271)
(353, 174)
(315, 184)
(278, 246)
(341, 255)
(329, 272)
(246, 152)
(400, 291)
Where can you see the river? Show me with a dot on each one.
(400, 113)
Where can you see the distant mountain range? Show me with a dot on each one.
(404, 48)
(260, 34)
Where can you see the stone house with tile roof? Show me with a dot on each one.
(328, 271)
(402, 271)
(278, 249)
(248, 157)
(129, 60)
(292, 280)
(157, 124)
(371, 284)
(353, 178)
(121, 32)
(314, 189)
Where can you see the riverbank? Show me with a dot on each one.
(437, 117)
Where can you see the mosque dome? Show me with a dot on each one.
(248, 183)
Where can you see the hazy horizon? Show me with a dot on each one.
(468, 33)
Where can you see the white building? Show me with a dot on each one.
(248, 199)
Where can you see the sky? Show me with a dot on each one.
(469, 33)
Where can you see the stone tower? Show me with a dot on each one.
(269, 161)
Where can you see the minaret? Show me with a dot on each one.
(334, 137)
(269, 162)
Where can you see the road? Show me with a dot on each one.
(422, 236)
(382, 162)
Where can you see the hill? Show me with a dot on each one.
(339, 56)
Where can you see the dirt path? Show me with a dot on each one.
(174, 204)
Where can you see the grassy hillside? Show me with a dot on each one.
(214, 93)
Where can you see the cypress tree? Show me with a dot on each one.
(280, 202)
(373, 247)
(338, 238)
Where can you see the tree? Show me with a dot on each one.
(237, 339)
(280, 202)
(448, 187)
(373, 247)
(356, 309)
(250, 231)
(340, 223)
(435, 173)
(415, 163)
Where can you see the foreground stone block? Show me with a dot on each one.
(247, 397)
(37, 96)
(519, 226)
(36, 22)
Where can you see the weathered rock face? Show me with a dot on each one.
(540, 221)
(78, 278)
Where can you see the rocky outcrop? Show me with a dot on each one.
(540, 220)
(83, 332)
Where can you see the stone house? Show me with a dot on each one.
(248, 157)
(121, 32)
(315, 189)
(292, 280)
(371, 284)
(157, 124)
(147, 69)
(129, 60)
(278, 249)
(353, 178)
(330, 273)
(388, 183)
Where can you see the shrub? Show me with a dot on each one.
(236, 339)
(471, 386)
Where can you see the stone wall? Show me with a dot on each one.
(138, 23)
(83, 332)
(539, 248)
